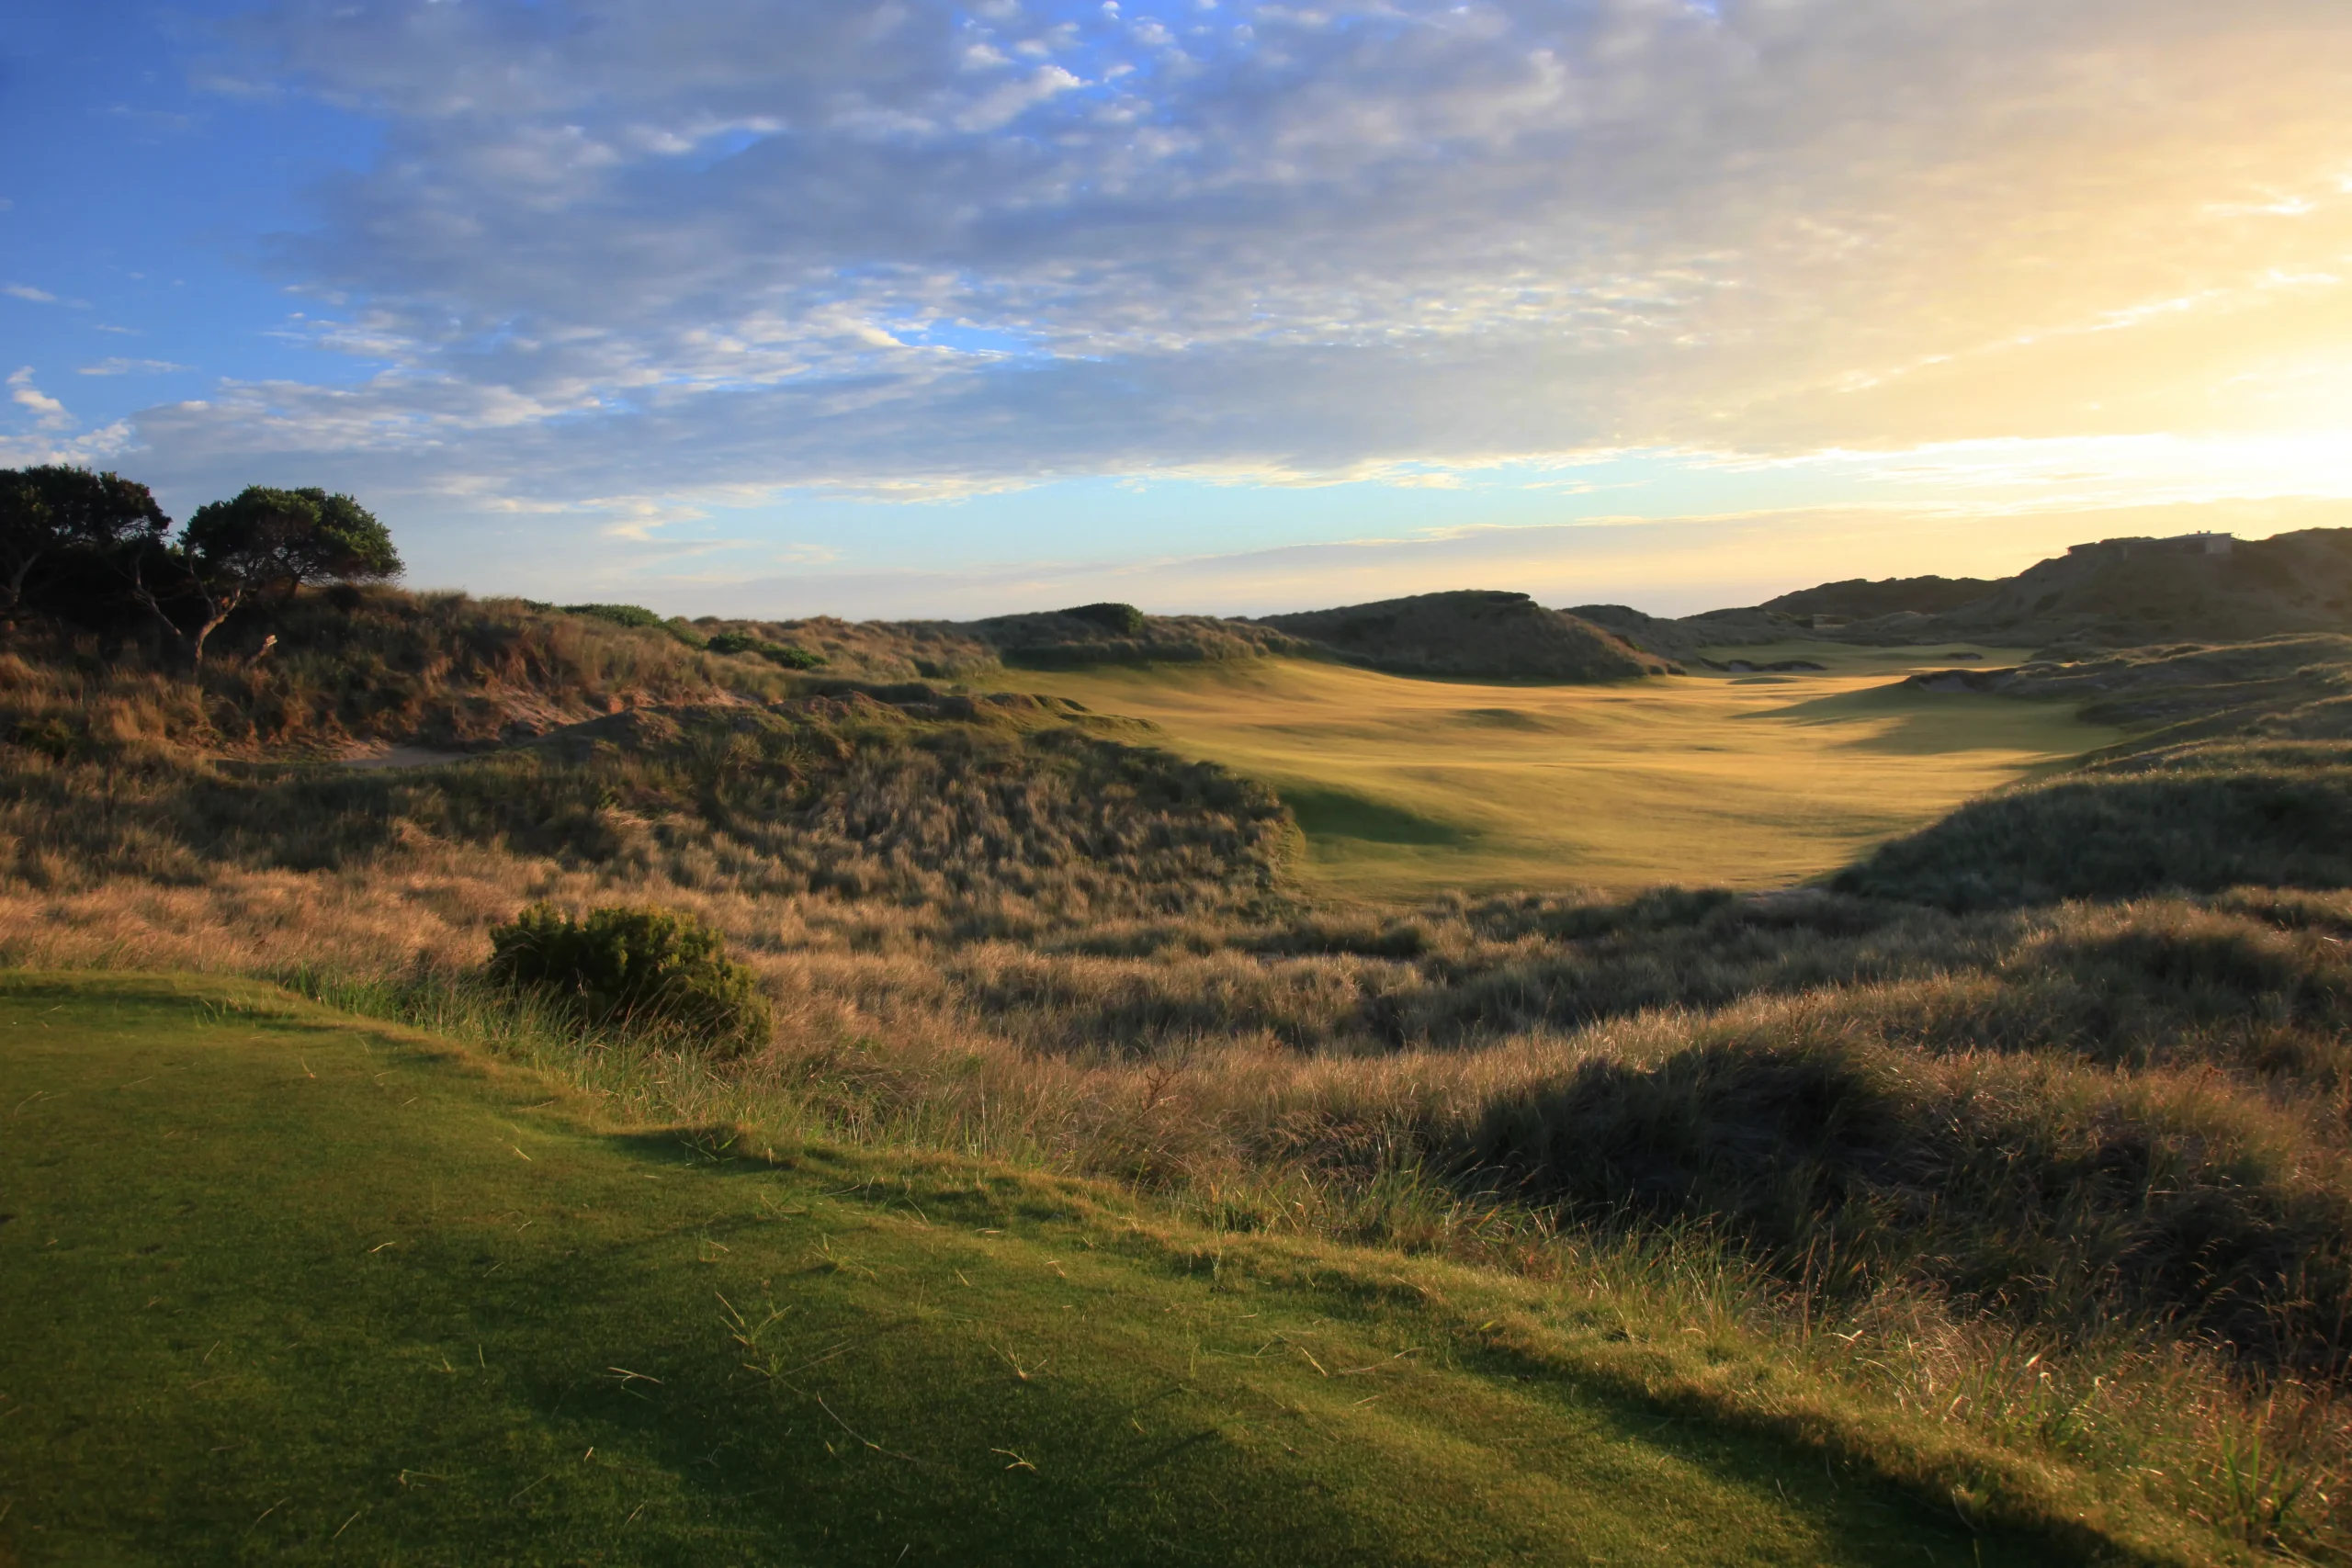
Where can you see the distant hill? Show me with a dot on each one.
(2113, 594)
(2199, 587)
(1121, 633)
(1050, 640)
(1860, 599)
(1681, 639)
(1471, 632)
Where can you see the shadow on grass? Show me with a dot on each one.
(1505, 718)
(1327, 813)
(1926, 724)
(1623, 1429)
(787, 1368)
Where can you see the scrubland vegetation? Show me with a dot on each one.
(2064, 1182)
(369, 1297)
(2013, 1163)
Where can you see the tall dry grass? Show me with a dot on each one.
(2068, 1178)
(357, 670)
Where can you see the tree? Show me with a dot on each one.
(234, 551)
(283, 538)
(50, 511)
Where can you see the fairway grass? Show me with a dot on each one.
(1405, 786)
(283, 1287)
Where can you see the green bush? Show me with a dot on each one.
(781, 653)
(637, 618)
(1124, 619)
(638, 967)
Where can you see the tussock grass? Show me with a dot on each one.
(2026, 1420)
(577, 1339)
(1074, 638)
(380, 665)
(2201, 824)
(2005, 1191)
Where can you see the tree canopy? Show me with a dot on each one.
(74, 541)
(53, 511)
(268, 538)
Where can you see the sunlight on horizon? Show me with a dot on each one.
(845, 308)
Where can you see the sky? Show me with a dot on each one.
(774, 307)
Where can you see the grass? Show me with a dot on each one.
(287, 1288)
(2201, 818)
(1404, 787)
(437, 669)
(2041, 1208)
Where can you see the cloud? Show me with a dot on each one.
(640, 247)
(48, 413)
(51, 437)
(1010, 100)
(117, 365)
(25, 292)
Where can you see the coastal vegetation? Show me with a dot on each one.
(1989, 1152)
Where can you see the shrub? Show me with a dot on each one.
(636, 617)
(1124, 619)
(635, 966)
(781, 653)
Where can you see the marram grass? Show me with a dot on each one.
(288, 1288)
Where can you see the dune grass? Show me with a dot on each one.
(2038, 1210)
(283, 1287)
(1407, 787)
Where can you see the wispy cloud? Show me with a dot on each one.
(912, 251)
(117, 365)
(27, 291)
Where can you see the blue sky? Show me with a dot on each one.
(900, 308)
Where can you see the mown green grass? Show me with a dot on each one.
(1404, 787)
(280, 1286)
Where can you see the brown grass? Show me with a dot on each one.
(2072, 1179)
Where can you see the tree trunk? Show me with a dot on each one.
(217, 607)
(218, 610)
(146, 596)
(16, 576)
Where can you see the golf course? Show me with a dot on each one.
(1404, 786)
(287, 1287)
(1412, 783)
(494, 1082)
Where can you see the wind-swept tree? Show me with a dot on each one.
(264, 541)
(50, 513)
(280, 540)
